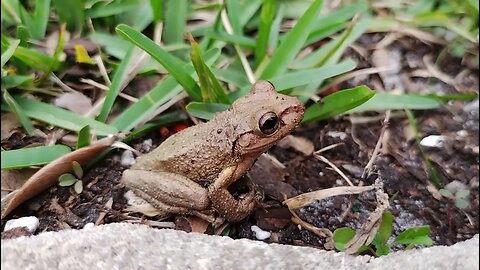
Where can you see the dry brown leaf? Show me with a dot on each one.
(9, 124)
(48, 175)
(302, 145)
(191, 224)
(75, 102)
(14, 179)
(311, 197)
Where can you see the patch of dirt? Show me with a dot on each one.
(401, 167)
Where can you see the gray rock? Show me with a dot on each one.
(126, 246)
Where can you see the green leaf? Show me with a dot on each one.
(205, 110)
(115, 87)
(83, 137)
(81, 55)
(9, 52)
(34, 156)
(292, 43)
(234, 39)
(231, 76)
(113, 45)
(61, 118)
(19, 113)
(72, 12)
(77, 169)
(388, 101)
(234, 8)
(175, 21)
(468, 96)
(109, 8)
(23, 35)
(66, 180)
(15, 81)
(266, 19)
(78, 187)
(40, 19)
(157, 9)
(338, 103)
(342, 236)
(157, 96)
(210, 88)
(462, 203)
(416, 236)
(386, 227)
(170, 62)
(35, 59)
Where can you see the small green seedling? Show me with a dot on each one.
(68, 179)
(458, 192)
(380, 245)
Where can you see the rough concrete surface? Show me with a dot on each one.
(127, 246)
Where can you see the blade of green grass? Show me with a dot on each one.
(105, 9)
(266, 19)
(83, 137)
(303, 77)
(15, 81)
(157, 9)
(275, 28)
(233, 8)
(11, 11)
(175, 21)
(34, 156)
(60, 117)
(114, 89)
(34, 59)
(19, 113)
(388, 101)
(72, 12)
(230, 76)
(338, 103)
(160, 94)
(235, 39)
(211, 89)
(9, 52)
(170, 62)
(23, 35)
(40, 19)
(205, 110)
(293, 42)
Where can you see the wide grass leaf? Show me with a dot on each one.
(205, 110)
(62, 118)
(83, 137)
(388, 101)
(338, 103)
(19, 113)
(40, 19)
(116, 85)
(170, 62)
(9, 52)
(266, 19)
(175, 21)
(72, 12)
(157, 96)
(292, 43)
(34, 156)
(109, 8)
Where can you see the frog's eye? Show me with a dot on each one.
(268, 123)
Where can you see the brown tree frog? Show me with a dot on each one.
(189, 173)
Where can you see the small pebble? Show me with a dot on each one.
(89, 225)
(337, 134)
(259, 233)
(433, 141)
(31, 223)
(127, 158)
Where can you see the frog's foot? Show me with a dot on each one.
(227, 206)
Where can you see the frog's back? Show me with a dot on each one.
(199, 152)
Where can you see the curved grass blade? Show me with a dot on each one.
(114, 89)
(160, 94)
(175, 21)
(338, 103)
(19, 113)
(105, 9)
(235, 38)
(40, 19)
(61, 118)
(205, 110)
(35, 59)
(388, 101)
(170, 62)
(157, 9)
(72, 12)
(292, 43)
(83, 137)
(266, 19)
(34, 156)
(9, 52)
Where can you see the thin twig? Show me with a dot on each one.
(334, 167)
(385, 125)
(105, 88)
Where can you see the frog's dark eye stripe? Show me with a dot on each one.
(268, 123)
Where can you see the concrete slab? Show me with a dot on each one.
(127, 246)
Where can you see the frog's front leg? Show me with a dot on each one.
(223, 201)
(168, 192)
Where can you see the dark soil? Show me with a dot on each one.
(402, 169)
